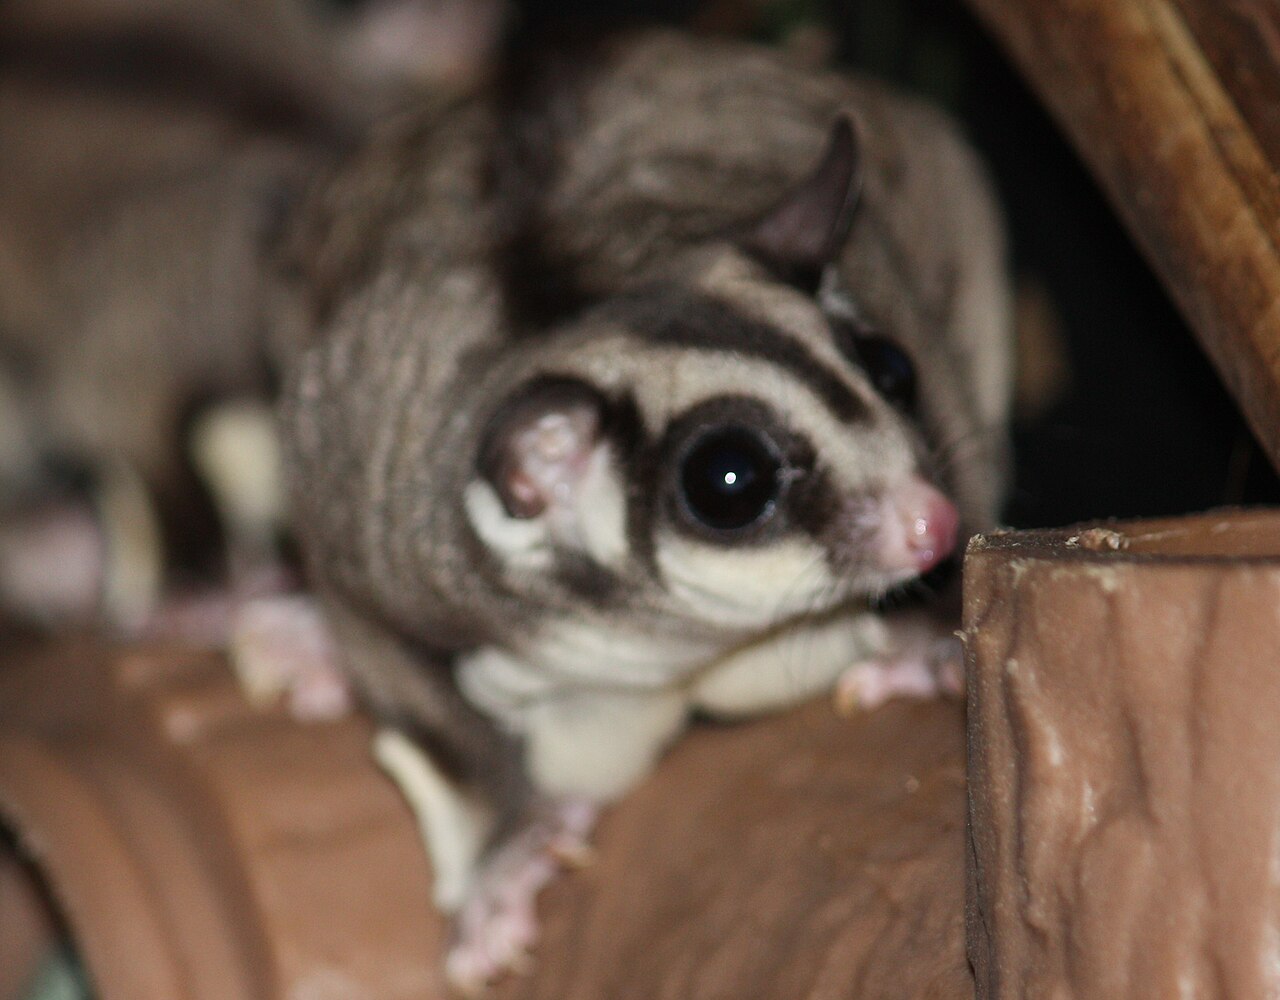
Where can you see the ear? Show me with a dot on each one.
(539, 447)
(808, 226)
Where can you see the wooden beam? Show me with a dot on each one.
(1175, 106)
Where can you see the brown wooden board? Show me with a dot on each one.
(201, 849)
(1241, 39)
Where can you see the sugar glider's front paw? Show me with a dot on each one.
(281, 646)
(497, 923)
(922, 662)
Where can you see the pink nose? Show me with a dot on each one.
(920, 527)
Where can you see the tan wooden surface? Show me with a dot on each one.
(805, 855)
(1124, 802)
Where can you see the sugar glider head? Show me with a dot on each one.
(714, 443)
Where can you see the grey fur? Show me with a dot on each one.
(151, 149)
(132, 238)
(463, 253)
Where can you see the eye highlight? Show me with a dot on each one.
(730, 478)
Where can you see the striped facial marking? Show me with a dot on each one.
(760, 475)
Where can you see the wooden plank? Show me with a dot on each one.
(1241, 39)
(1135, 84)
(1124, 800)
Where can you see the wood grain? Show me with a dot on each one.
(1173, 104)
(795, 858)
(798, 857)
(1124, 798)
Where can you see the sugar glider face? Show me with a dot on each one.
(732, 484)
(717, 441)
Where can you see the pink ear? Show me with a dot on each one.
(540, 445)
(810, 222)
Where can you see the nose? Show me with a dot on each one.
(919, 527)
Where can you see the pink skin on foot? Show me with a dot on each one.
(282, 646)
(208, 616)
(497, 924)
(53, 564)
(922, 666)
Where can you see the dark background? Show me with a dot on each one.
(1144, 427)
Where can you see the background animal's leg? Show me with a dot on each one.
(52, 563)
(95, 553)
(236, 450)
(234, 455)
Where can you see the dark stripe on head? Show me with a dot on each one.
(635, 455)
(672, 316)
(581, 575)
(537, 104)
(642, 471)
(814, 505)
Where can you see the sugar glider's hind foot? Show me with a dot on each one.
(281, 647)
(496, 925)
(921, 664)
(94, 557)
(53, 563)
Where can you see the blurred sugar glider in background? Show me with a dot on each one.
(359, 57)
(148, 151)
(622, 396)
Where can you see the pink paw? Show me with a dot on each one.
(53, 564)
(209, 616)
(917, 670)
(281, 646)
(497, 925)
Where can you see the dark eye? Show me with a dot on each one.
(890, 369)
(730, 478)
(887, 365)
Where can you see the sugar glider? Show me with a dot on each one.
(359, 57)
(618, 395)
(150, 149)
(135, 218)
